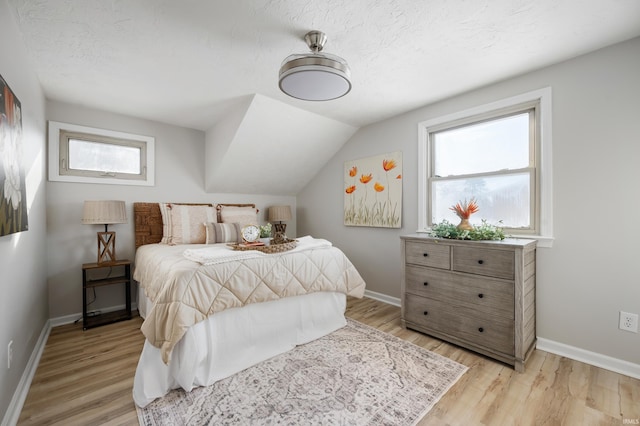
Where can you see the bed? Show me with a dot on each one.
(210, 312)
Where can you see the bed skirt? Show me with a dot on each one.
(235, 339)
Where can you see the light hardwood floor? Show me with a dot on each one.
(85, 378)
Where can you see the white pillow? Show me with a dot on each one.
(242, 215)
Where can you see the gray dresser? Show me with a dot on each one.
(476, 294)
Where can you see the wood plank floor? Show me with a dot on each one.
(85, 378)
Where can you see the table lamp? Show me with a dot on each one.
(279, 214)
(107, 212)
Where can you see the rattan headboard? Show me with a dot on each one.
(148, 220)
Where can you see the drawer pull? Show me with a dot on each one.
(481, 329)
(426, 284)
(425, 254)
(480, 295)
(426, 312)
(480, 262)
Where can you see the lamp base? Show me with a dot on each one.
(279, 236)
(106, 247)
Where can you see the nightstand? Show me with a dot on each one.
(122, 266)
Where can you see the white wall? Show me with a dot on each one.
(23, 290)
(180, 171)
(591, 271)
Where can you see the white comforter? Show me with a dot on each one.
(185, 292)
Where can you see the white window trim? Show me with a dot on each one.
(54, 155)
(543, 96)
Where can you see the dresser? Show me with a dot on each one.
(476, 294)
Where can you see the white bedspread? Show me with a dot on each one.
(185, 292)
(235, 340)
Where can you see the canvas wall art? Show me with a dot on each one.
(13, 196)
(373, 191)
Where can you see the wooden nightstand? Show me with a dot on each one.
(124, 278)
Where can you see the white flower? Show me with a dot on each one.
(11, 160)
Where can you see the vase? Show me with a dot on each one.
(266, 241)
(465, 225)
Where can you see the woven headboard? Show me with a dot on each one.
(148, 220)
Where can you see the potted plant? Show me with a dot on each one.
(265, 233)
(464, 230)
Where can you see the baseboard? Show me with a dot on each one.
(20, 395)
(592, 358)
(382, 297)
(68, 319)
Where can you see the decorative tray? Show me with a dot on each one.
(271, 248)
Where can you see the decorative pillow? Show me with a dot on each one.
(165, 209)
(242, 215)
(223, 233)
(183, 223)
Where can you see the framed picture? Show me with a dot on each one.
(373, 191)
(13, 195)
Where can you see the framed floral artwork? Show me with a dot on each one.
(13, 196)
(373, 191)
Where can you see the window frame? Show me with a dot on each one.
(541, 220)
(59, 135)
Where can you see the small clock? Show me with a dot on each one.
(250, 233)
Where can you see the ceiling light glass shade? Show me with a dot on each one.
(315, 76)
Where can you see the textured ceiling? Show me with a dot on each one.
(186, 62)
(213, 65)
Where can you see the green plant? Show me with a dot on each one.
(265, 231)
(484, 231)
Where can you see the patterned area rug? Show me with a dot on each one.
(354, 376)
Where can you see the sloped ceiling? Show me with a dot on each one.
(264, 146)
(191, 63)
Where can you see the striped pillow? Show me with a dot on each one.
(186, 223)
(223, 233)
(165, 209)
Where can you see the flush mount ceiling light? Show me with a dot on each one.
(315, 76)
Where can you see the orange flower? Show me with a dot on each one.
(466, 209)
(366, 178)
(388, 165)
(353, 171)
(378, 187)
(350, 189)
(399, 177)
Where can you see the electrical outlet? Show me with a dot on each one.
(9, 354)
(628, 322)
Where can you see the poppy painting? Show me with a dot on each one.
(13, 196)
(373, 191)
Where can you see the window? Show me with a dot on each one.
(85, 154)
(498, 154)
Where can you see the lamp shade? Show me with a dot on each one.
(279, 213)
(104, 212)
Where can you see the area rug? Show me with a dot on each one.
(354, 376)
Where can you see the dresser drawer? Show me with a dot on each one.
(428, 254)
(481, 261)
(472, 326)
(483, 294)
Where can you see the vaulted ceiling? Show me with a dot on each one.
(189, 63)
